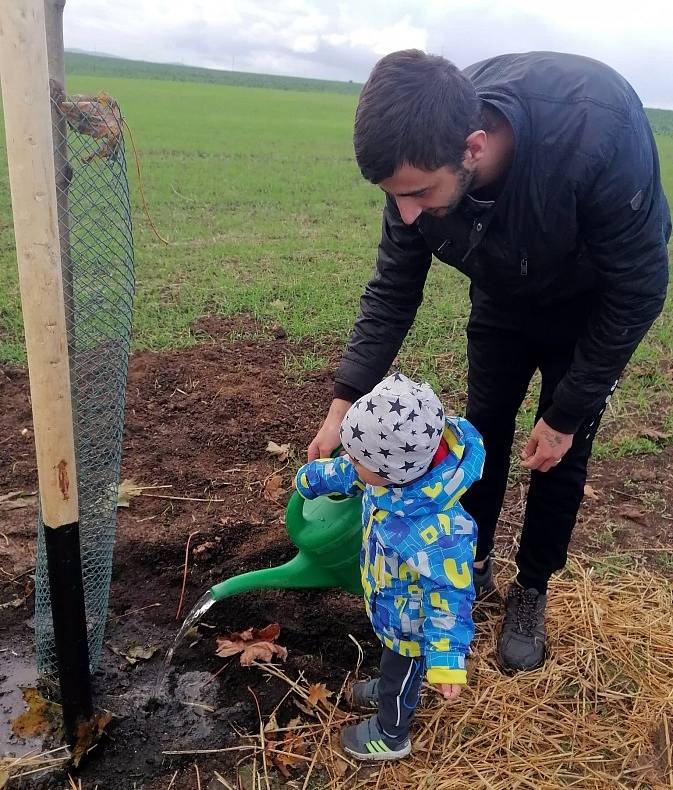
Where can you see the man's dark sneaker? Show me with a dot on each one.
(487, 598)
(367, 741)
(521, 644)
(364, 695)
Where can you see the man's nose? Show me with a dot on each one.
(409, 210)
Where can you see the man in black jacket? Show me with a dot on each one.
(537, 176)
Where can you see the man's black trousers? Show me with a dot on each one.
(505, 346)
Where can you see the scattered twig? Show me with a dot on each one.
(223, 781)
(188, 498)
(184, 575)
(241, 748)
(133, 611)
(213, 676)
(198, 777)
(172, 780)
(361, 654)
(261, 736)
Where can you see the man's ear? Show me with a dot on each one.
(476, 144)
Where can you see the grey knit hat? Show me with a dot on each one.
(395, 430)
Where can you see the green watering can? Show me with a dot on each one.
(328, 533)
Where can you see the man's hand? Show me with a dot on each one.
(449, 691)
(546, 447)
(327, 439)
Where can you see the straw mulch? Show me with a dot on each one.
(597, 716)
(31, 763)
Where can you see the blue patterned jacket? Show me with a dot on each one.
(417, 551)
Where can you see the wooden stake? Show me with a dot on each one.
(30, 153)
(25, 93)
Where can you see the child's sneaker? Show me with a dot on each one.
(364, 695)
(366, 741)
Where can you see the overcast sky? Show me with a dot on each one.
(342, 40)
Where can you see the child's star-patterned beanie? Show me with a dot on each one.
(395, 430)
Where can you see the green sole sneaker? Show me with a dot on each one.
(365, 742)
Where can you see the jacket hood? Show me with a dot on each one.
(440, 487)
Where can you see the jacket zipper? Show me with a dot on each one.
(524, 264)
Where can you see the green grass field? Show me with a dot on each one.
(266, 212)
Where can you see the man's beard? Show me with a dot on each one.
(465, 180)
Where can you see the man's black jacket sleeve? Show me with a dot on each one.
(625, 223)
(387, 308)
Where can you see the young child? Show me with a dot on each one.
(413, 465)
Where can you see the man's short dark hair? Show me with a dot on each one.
(415, 109)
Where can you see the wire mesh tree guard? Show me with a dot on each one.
(95, 228)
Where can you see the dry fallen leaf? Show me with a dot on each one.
(318, 693)
(40, 717)
(282, 451)
(273, 488)
(632, 512)
(128, 490)
(252, 644)
(272, 724)
(654, 434)
(591, 492)
(293, 747)
(297, 721)
(135, 653)
(88, 734)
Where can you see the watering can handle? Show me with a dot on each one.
(294, 512)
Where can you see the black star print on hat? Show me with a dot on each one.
(396, 406)
(383, 437)
(407, 466)
(370, 406)
(408, 448)
(357, 433)
(397, 426)
(384, 452)
(429, 430)
(366, 453)
(397, 377)
(412, 416)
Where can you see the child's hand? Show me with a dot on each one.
(449, 691)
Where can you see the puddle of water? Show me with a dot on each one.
(197, 612)
(16, 670)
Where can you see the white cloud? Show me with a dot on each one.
(382, 40)
(343, 40)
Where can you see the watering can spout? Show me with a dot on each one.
(328, 534)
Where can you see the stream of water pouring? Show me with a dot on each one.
(198, 610)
